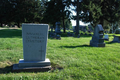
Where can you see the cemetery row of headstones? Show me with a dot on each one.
(35, 43)
(56, 34)
(97, 38)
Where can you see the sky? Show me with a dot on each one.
(80, 22)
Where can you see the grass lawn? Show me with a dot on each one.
(78, 59)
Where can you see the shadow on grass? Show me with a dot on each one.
(9, 69)
(76, 46)
(5, 70)
(10, 33)
(110, 42)
(55, 67)
(75, 36)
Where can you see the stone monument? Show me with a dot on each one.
(116, 39)
(97, 38)
(34, 48)
(57, 29)
(106, 37)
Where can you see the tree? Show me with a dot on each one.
(19, 11)
(77, 21)
(56, 10)
(5, 11)
(99, 11)
(77, 5)
(64, 12)
(27, 11)
(50, 13)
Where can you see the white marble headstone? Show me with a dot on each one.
(106, 36)
(34, 41)
(34, 44)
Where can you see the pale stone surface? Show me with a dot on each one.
(34, 41)
(34, 45)
(23, 63)
(34, 48)
(106, 37)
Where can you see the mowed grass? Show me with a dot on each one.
(71, 58)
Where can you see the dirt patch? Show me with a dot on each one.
(56, 67)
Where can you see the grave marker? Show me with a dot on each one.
(34, 46)
(116, 39)
(97, 38)
(57, 29)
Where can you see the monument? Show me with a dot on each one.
(34, 48)
(57, 29)
(97, 38)
(116, 39)
(106, 37)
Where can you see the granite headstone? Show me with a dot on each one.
(97, 38)
(116, 39)
(57, 29)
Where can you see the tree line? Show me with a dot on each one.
(105, 12)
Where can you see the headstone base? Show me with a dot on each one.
(16, 68)
(23, 63)
(97, 44)
(29, 66)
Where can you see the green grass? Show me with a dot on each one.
(78, 59)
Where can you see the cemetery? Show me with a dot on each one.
(59, 40)
(70, 58)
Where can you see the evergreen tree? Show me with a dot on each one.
(6, 9)
(27, 11)
(77, 5)
(19, 11)
(99, 11)
(56, 12)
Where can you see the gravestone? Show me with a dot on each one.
(70, 34)
(57, 29)
(51, 28)
(106, 37)
(116, 39)
(78, 36)
(58, 37)
(34, 47)
(52, 34)
(97, 38)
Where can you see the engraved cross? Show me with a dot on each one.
(41, 50)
